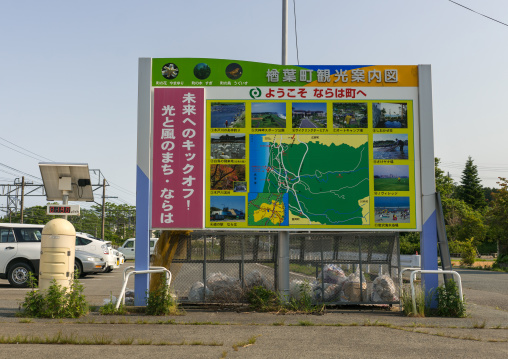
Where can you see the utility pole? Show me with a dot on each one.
(22, 197)
(283, 245)
(103, 206)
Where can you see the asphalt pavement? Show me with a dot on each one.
(222, 332)
(306, 123)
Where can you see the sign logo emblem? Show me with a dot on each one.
(255, 93)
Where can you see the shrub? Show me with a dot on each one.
(468, 254)
(501, 262)
(159, 301)
(410, 243)
(449, 303)
(56, 302)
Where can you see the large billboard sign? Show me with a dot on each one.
(246, 145)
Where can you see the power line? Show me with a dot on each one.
(24, 154)
(26, 174)
(24, 149)
(476, 12)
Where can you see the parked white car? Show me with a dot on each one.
(128, 247)
(120, 259)
(88, 243)
(20, 252)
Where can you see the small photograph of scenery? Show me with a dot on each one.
(223, 177)
(240, 186)
(350, 115)
(392, 209)
(268, 115)
(309, 115)
(202, 71)
(391, 178)
(390, 146)
(228, 115)
(227, 146)
(227, 208)
(389, 115)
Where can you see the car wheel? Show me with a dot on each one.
(109, 269)
(78, 267)
(18, 274)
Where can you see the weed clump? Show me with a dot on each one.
(160, 302)
(265, 300)
(110, 308)
(449, 303)
(56, 302)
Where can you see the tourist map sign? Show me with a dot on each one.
(246, 145)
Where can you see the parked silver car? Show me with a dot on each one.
(87, 263)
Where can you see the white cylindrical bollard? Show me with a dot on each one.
(58, 245)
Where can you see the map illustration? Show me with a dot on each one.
(325, 179)
(268, 209)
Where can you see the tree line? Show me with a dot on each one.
(473, 214)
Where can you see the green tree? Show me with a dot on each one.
(488, 192)
(463, 222)
(32, 215)
(470, 189)
(461, 219)
(444, 184)
(497, 217)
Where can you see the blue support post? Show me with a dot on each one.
(142, 260)
(428, 248)
(428, 237)
(143, 203)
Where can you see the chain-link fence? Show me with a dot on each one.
(345, 268)
(335, 268)
(221, 266)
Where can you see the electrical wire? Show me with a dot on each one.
(24, 154)
(296, 34)
(24, 149)
(476, 12)
(26, 174)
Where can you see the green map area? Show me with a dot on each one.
(265, 209)
(326, 177)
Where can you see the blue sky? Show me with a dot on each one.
(235, 202)
(389, 136)
(395, 170)
(68, 80)
(310, 106)
(380, 202)
(278, 107)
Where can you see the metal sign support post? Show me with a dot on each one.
(428, 237)
(283, 250)
(142, 259)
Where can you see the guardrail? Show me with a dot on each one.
(432, 271)
(121, 297)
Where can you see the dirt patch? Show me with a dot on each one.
(476, 264)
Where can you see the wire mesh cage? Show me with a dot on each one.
(345, 268)
(220, 267)
(334, 268)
